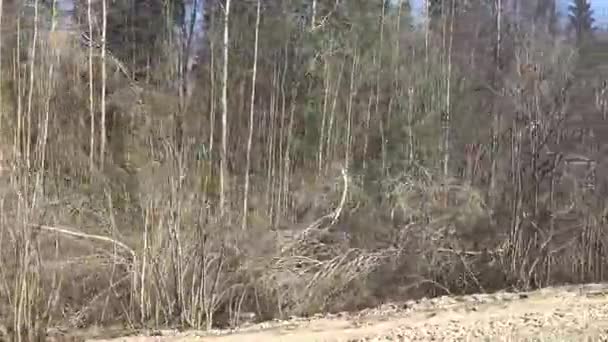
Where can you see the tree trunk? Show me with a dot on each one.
(104, 28)
(251, 115)
(223, 152)
(91, 98)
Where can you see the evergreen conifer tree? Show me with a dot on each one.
(581, 20)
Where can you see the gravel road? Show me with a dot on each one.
(573, 313)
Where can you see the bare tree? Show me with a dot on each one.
(496, 117)
(212, 109)
(251, 114)
(2, 114)
(379, 65)
(313, 17)
(91, 98)
(427, 33)
(104, 28)
(224, 102)
(448, 96)
(31, 87)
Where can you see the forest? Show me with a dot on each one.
(189, 163)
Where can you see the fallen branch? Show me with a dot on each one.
(70, 232)
(318, 223)
(470, 253)
(334, 215)
(338, 210)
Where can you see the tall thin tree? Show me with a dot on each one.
(31, 87)
(448, 96)
(91, 98)
(104, 29)
(378, 63)
(224, 103)
(1, 109)
(251, 114)
(495, 114)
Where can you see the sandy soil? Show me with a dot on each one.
(574, 313)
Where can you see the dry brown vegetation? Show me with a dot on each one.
(291, 160)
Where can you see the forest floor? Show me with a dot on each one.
(570, 313)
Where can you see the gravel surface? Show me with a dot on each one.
(572, 313)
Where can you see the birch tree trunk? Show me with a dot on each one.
(224, 103)
(313, 17)
(208, 163)
(427, 30)
(376, 106)
(448, 97)
(28, 135)
(251, 115)
(1, 99)
(91, 103)
(104, 27)
(496, 117)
